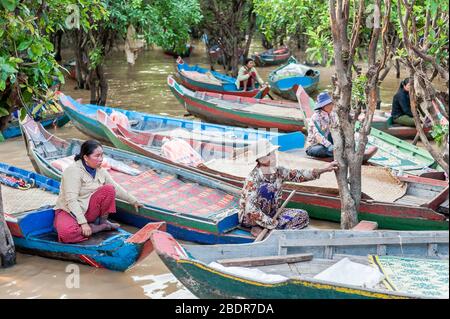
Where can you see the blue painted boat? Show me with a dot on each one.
(199, 79)
(285, 80)
(84, 117)
(195, 207)
(29, 216)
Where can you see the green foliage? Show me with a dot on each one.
(308, 17)
(165, 23)
(27, 65)
(439, 132)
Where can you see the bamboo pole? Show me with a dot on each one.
(263, 233)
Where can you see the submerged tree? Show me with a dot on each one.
(230, 24)
(349, 102)
(425, 35)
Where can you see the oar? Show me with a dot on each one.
(263, 233)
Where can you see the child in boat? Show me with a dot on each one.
(87, 196)
(320, 142)
(401, 107)
(262, 192)
(248, 76)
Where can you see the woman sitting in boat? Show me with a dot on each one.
(248, 76)
(262, 192)
(401, 107)
(320, 142)
(87, 197)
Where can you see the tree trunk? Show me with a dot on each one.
(250, 32)
(99, 86)
(7, 250)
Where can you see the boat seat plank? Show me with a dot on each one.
(94, 240)
(265, 260)
(361, 241)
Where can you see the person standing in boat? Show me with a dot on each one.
(262, 192)
(319, 141)
(401, 106)
(87, 197)
(248, 76)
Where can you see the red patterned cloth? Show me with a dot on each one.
(165, 191)
(102, 202)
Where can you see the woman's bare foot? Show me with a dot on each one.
(109, 225)
(99, 228)
(256, 230)
(112, 226)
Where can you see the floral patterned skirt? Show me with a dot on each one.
(292, 218)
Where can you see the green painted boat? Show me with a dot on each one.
(195, 208)
(287, 264)
(419, 204)
(392, 151)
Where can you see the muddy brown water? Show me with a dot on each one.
(140, 87)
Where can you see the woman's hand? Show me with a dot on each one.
(137, 206)
(86, 230)
(330, 167)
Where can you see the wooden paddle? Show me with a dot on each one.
(263, 233)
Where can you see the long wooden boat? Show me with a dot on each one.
(239, 111)
(285, 80)
(226, 109)
(151, 144)
(199, 79)
(419, 204)
(83, 116)
(273, 56)
(29, 215)
(195, 208)
(287, 265)
(13, 128)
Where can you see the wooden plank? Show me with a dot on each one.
(265, 260)
(365, 225)
(361, 241)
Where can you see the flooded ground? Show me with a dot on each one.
(140, 87)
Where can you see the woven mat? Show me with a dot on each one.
(168, 192)
(18, 201)
(374, 178)
(416, 276)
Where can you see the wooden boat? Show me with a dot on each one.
(227, 109)
(392, 151)
(287, 264)
(13, 128)
(382, 121)
(83, 116)
(285, 80)
(200, 79)
(418, 202)
(272, 56)
(29, 215)
(187, 52)
(195, 208)
(151, 144)
(239, 111)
